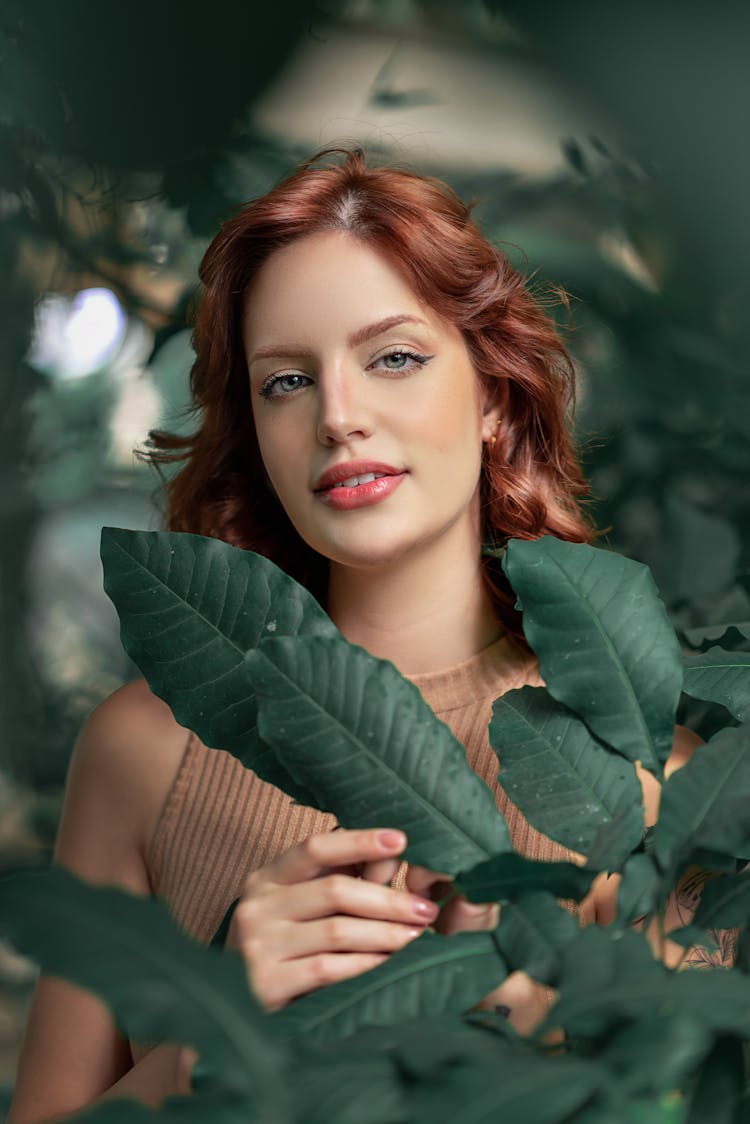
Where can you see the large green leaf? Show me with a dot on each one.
(563, 779)
(716, 1098)
(179, 1110)
(503, 878)
(610, 978)
(605, 645)
(725, 903)
(362, 740)
(190, 609)
(706, 803)
(657, 1052)
(532, 932)
(640, 890)
(722, 677)
(159, 984)
(338, 1088)
(431, 975)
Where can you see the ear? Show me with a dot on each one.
(491, 418)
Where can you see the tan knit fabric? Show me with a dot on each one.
(220, 822)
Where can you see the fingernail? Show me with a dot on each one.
(391, 839)
(422, 908)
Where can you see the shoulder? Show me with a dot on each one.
(123, 764)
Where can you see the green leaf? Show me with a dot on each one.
(693, 936)
(721, 677)
(612, 977)
(159, 984)
(720, 1086)
(608, 850)
(532, 932)
(350, 729)
(566, 783)
(515, 1086)
(431, 975)
(190, 609)
(725, 903)
(505, 877)
(348, 1090)
(706, 803)
(605, 645)
(181, 1110)
(657, 1052)
(640, 889)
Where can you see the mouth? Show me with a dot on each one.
(358, 484)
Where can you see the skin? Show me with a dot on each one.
(405, 583)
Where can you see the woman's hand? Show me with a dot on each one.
(308, 919)
(457, 915)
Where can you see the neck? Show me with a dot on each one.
(427, 612)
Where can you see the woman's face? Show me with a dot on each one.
(368, 411)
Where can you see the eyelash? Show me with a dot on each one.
(267, 389)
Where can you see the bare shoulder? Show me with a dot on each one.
(124, 761)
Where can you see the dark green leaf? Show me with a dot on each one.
(566, 783)
(722, 677)
(640, 889)
(607, 852)
(532, 932)
(693, 936)
(657, 1052)
(182, 1110)
(505, 877)
(360, 737)
(514, 1087)
(606, 648)
(610, 977)
(706, 803)
(725, 903)
(159, 984)
(720, 1086)
(431, 975)
(348, 1090)
(190, 609)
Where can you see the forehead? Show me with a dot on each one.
(327, 279)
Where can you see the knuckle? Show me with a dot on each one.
(336, 931)
(336, 890)
(252, 949)
(320, 970)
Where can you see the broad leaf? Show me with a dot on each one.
(159, 984)
(640, 890)
(566, 783)
(431, 975)
(504, 878)
(610, 978)
(609, 848)
(190, 609)
(706, 803)
(725, 903)
(605, 645)
(182, 1110)
(532, 932)
(721, 677)
(657, 1052)
(360, 737)
(720, 1086)
(348, 1090)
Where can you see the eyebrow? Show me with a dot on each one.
(361, 335)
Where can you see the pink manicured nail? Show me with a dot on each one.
(428, 910)
(391, 839)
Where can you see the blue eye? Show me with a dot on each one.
(280, 386)
(403, 360)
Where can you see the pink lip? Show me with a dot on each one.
(331, 492)
(341, 472)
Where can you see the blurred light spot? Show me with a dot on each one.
(76, 338)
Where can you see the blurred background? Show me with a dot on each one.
(608, 149)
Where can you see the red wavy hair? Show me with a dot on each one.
(531, 482)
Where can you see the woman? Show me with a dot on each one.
(379, 395)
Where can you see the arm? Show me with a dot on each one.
(121, 768)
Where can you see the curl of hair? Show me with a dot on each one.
(531, 482)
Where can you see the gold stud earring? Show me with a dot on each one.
(493, 438)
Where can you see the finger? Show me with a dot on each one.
(276, 989)
(337, 893)
(460, 916)
(383, 871)
(328, 849)
(428, 883)
(344, 934)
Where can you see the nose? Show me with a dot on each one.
(343, 411)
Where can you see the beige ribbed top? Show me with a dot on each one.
(220, 821)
